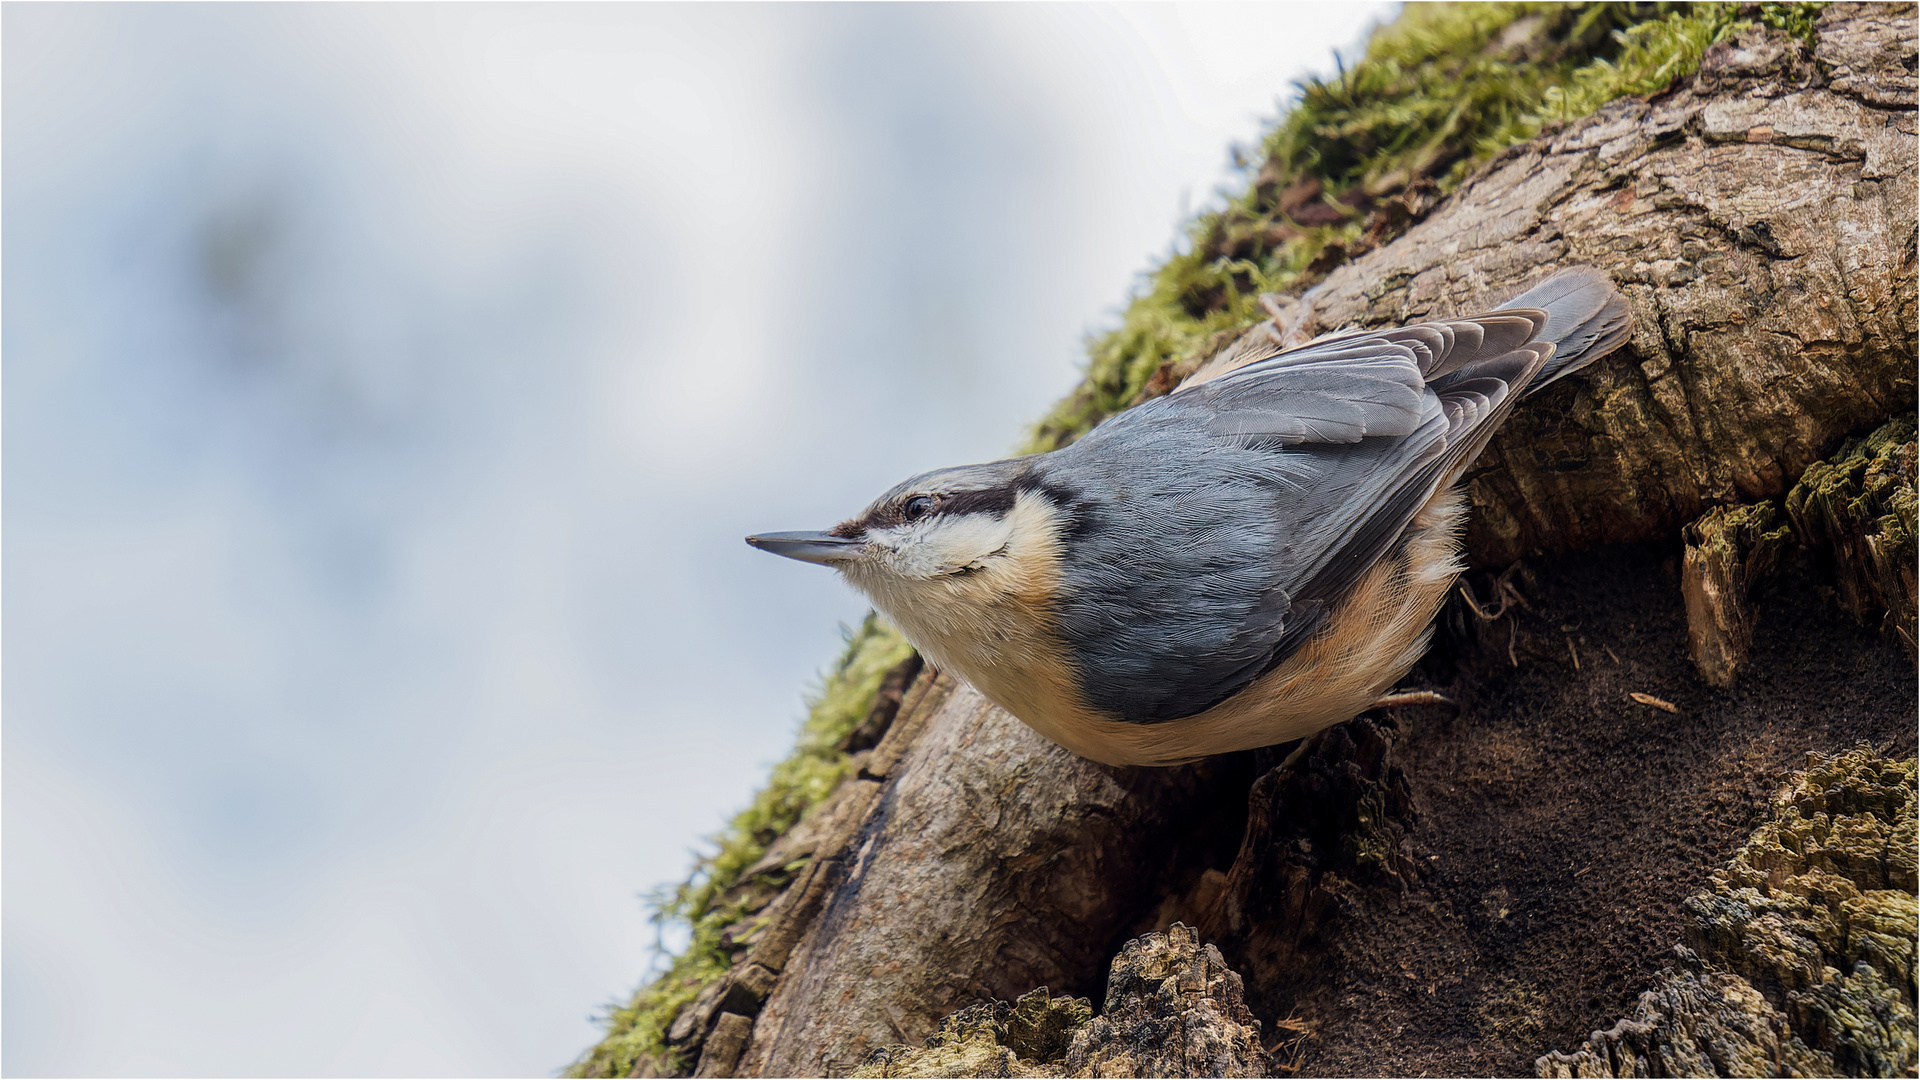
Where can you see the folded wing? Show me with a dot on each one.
(1231, 514)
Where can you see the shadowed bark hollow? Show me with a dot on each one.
(1426, 891)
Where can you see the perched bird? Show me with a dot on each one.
(1247, 560)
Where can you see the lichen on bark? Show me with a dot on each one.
(1028, 1037)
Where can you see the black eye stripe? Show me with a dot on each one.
(980, 501)
(997, 500)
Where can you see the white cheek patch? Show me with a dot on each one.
(943, 545)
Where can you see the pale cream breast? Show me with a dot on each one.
(993, 623)
(1371, 638)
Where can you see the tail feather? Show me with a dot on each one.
(1586, 319)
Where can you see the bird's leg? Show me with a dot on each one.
(1510, 591)
(1466, 593)
(1504, 590)
(1385, 701)
(1298, 752)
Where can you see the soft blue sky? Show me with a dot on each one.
(387, 390)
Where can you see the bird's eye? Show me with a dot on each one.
(917, 507)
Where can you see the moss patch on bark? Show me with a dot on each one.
(1363, 155)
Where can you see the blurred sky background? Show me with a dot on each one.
(387, 390)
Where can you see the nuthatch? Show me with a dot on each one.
(1247, 560)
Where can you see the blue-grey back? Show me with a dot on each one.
(1212, 528)
(1199, 522)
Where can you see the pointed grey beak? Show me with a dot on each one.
(814, 547)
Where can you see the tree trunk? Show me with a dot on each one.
(1422, 891)
(995, 863)
(1761, 224)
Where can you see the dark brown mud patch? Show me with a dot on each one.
(1557, 824)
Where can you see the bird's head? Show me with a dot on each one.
(960, 536)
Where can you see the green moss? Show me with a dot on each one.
(637, 1029)
(1361, 156)
(1654, 53)
(1440, 89)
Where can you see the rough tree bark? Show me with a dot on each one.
(1761, 224)
(1068, 841)
(1425, 871)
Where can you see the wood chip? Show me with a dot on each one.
(1658, 703)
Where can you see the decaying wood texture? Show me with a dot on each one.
(1860, 508)
(1761, 221)
(1731, 552)
(1173, 1008)
(1831, 878)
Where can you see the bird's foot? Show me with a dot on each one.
(1504, 590)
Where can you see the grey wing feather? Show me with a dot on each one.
(1216, 526)
(1360, 390)
(1586, 319)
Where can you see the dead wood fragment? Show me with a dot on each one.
(1730, 552)
(1653, 702)
(1174, 1008)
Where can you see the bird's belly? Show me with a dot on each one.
(1372, 636)
(1006, 651)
